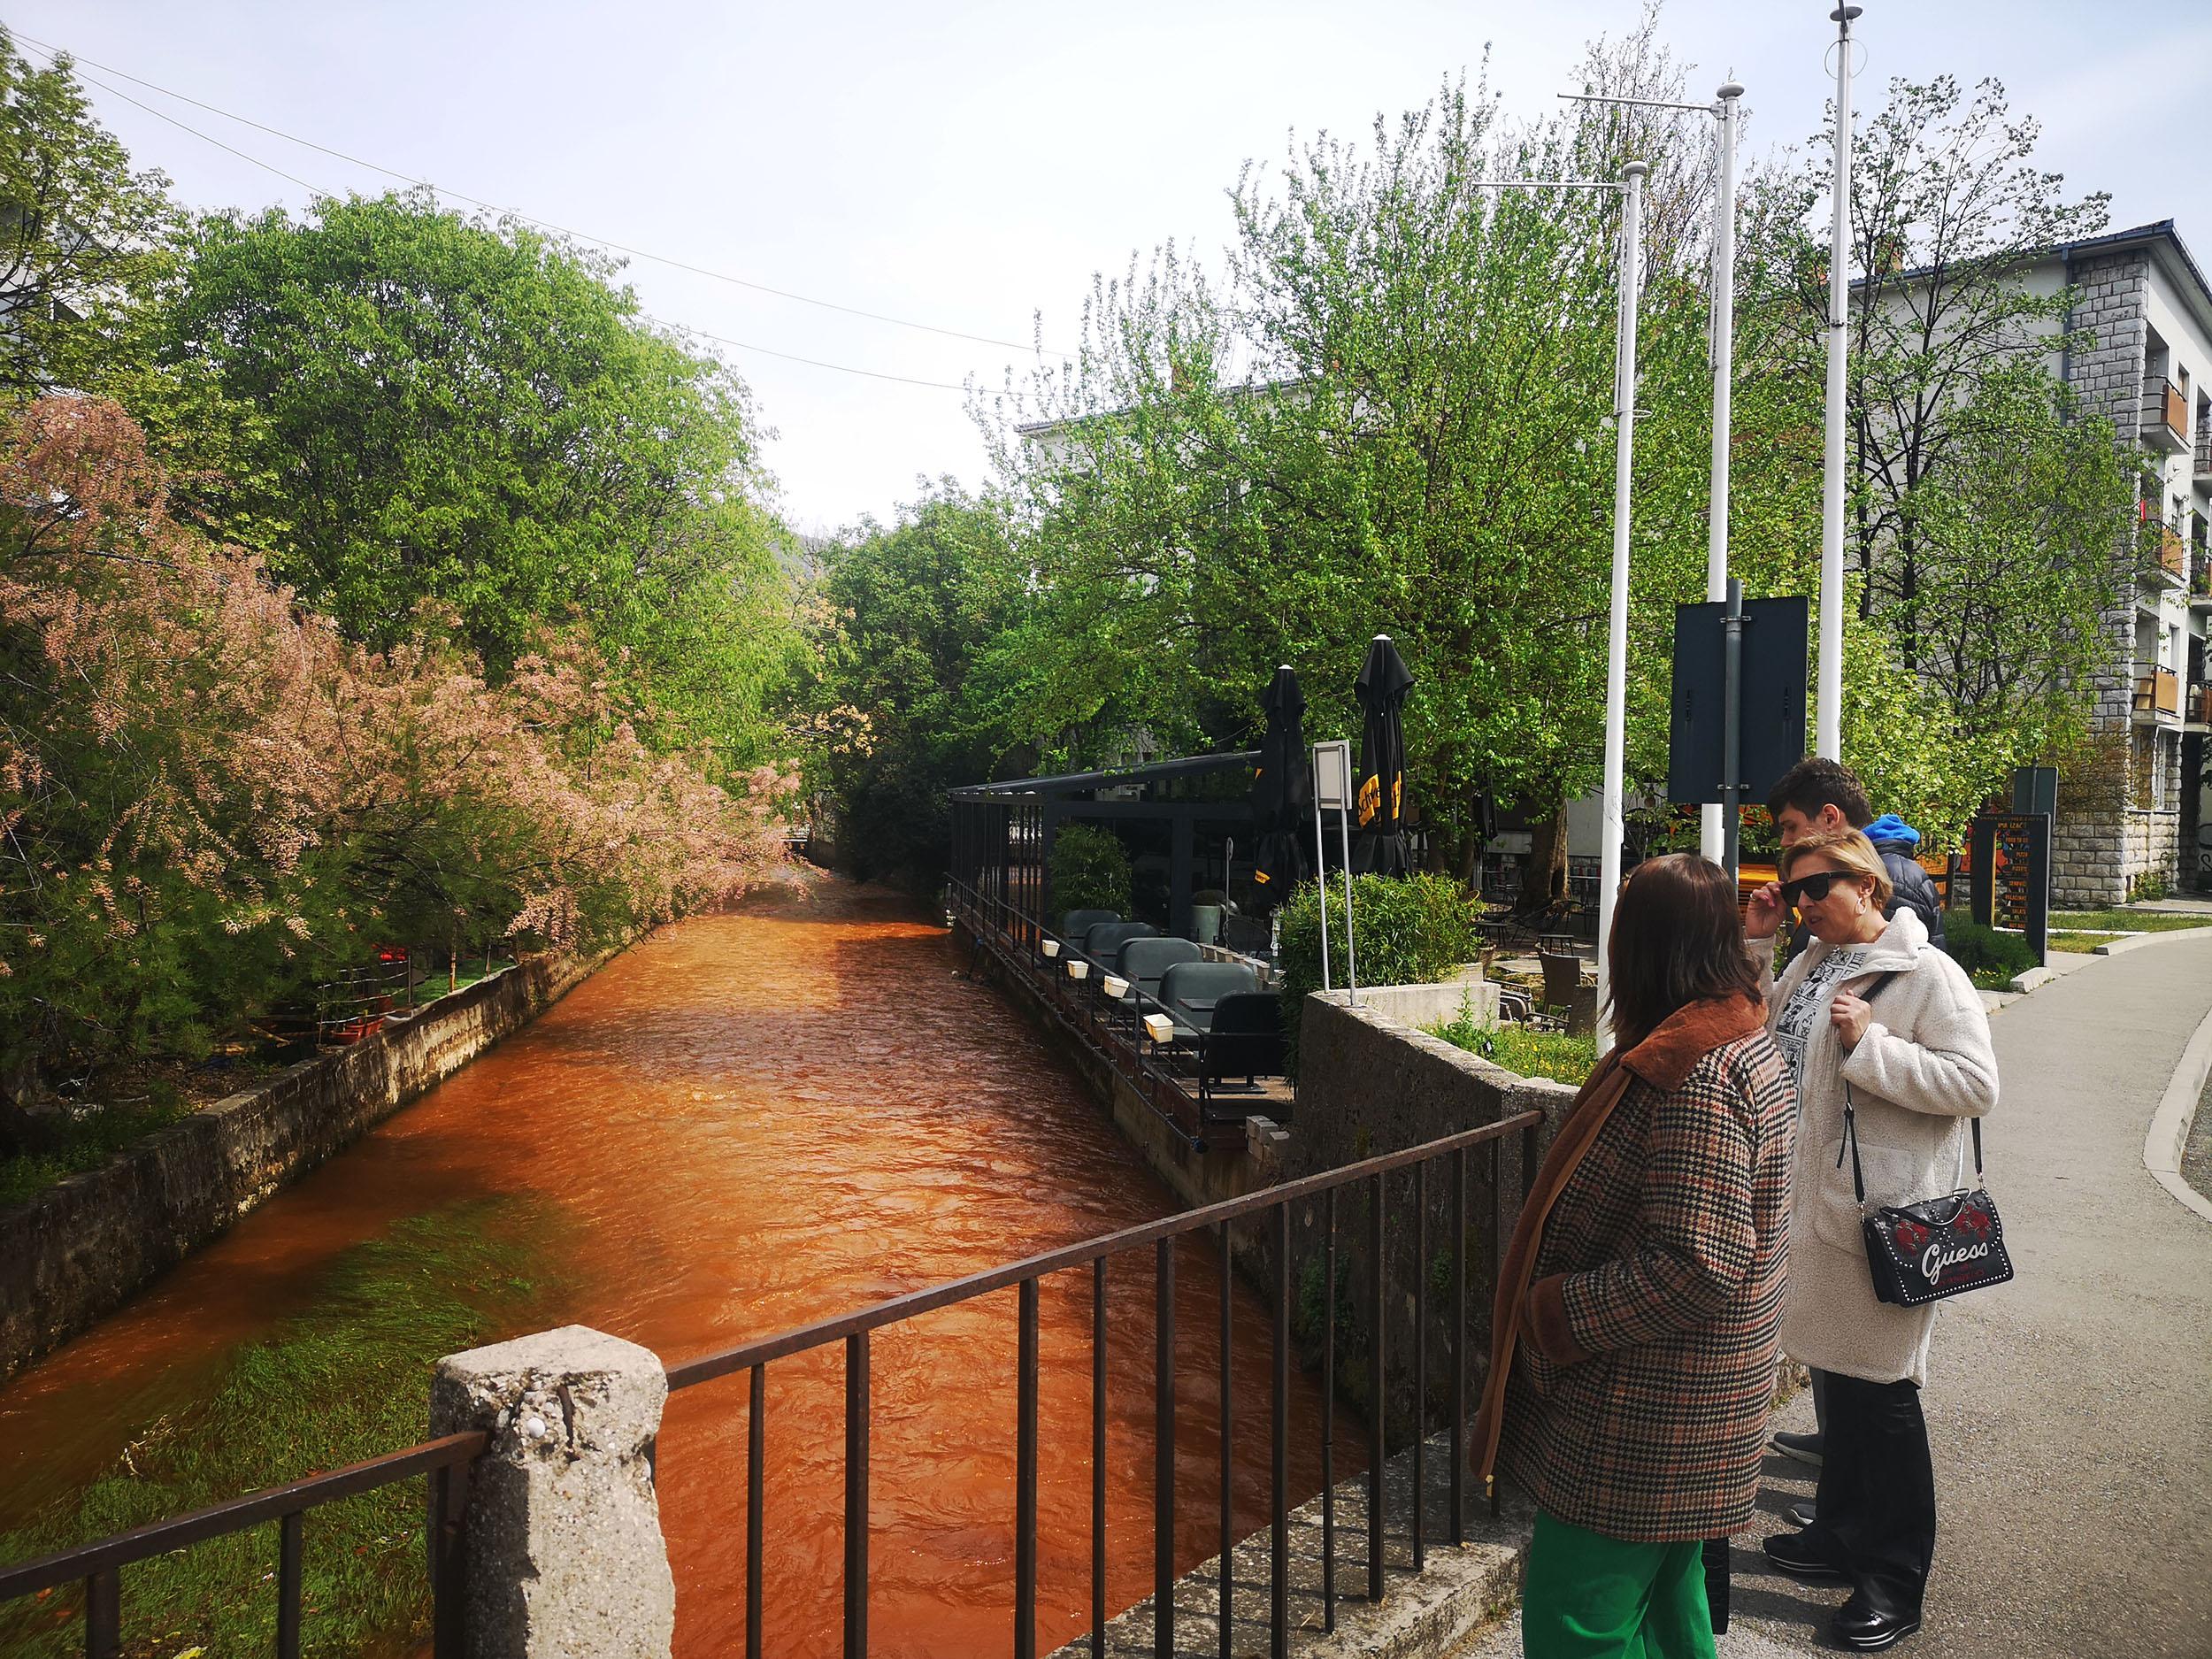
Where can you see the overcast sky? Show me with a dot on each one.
(971, 165)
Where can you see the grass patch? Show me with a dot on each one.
(2080, 944)
(1556, 1055)
(326, 1389)
(84, 1141)
(1993, 979)
(2125, 921)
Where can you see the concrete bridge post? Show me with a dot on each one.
(564, 1548)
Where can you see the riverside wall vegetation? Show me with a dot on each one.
(78, 1249)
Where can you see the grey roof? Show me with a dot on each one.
(2160, 235)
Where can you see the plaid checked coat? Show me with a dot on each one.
(1633, 1342)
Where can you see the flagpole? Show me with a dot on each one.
(1711, 836)
(1828, 707)
(1613, 818)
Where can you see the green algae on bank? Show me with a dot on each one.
(347, 1381)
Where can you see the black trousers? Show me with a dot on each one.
(1875, 1509)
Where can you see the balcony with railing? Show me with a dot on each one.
(2197, 708)
(2165, 416)
(2158, 694)
(2200, 468)
(2169, 562)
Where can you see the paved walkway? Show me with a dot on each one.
(2071, 1411)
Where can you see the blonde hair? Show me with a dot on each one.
(1848, 848)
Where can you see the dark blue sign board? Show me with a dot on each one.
(1738, 720)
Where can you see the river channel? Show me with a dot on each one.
(745, 1123)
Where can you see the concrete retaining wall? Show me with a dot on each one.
(1368, 1085)
(79, 1247)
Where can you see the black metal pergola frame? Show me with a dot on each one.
(1003, 832)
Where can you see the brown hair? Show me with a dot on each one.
(1848, 848)
(1817, 781)
(1677, 939)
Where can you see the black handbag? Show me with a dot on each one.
(1941, 1247)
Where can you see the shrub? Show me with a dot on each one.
(1411, 930)
(1089, 869)
(1562, 1057)
(1980, 949)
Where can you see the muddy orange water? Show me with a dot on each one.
(754, 1121)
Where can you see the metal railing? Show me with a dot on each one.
(99, 1566)
(2165, 414)
(2158, 692)
(855, 1330)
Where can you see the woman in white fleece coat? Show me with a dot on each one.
(1914, 1048)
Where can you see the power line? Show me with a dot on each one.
(206, 138)
(463, 195)
(316, 189)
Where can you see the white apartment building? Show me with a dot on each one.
(2146, 362)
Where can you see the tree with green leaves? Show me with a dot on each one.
(1391, 415)
(86, 244)
(921, 677)
(1985, 507)
(467, 414)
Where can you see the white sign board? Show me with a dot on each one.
(1332, 776)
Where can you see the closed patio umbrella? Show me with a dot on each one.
(1378, 798)
(1282, 791)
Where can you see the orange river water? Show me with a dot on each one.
(748, 1121)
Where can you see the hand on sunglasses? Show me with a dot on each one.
(1763, 914)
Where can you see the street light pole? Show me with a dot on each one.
(1611, 815)
(1828, 709)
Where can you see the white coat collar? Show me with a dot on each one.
(1897, 952)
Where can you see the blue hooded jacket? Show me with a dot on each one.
(1899, 844)
(1891, 828)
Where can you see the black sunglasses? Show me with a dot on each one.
(1814, 887)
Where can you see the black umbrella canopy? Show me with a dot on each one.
(1282, 790)
(1378, 799)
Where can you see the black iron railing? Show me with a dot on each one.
(99, 1566)
(856, 1330)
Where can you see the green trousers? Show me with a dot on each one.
(1588, 1596)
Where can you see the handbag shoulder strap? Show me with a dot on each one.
(1851, 1116)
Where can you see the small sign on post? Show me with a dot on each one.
(1332, 787)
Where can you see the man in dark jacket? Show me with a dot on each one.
(1826, 794)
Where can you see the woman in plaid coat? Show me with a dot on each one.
(1633, 1339)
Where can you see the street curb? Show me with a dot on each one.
(2137, 941)
(2032, 980)
(2169, 1134)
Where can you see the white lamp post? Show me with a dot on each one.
(1632, 189)
(1828, 707)
(1724, 108)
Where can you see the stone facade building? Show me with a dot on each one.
(2137, 821)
